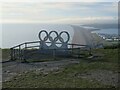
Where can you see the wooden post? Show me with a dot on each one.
(11, 53)
(19, 55)
(21, 51)
(79, 52)
(90, 53)
(24, 53)
(39, 46)
(54, 51)
(72, 49)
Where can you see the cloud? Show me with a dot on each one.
(72, 20)
(86, 20)
(64, 12)
(59, 0)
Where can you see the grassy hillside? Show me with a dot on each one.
(104, 60)
(5, 54)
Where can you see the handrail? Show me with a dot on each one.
(18, 52)
(17, 45)
(48, 42)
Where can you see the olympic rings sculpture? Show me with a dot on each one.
(58, 36)
(55, 39)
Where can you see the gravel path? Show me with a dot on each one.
(11, 69)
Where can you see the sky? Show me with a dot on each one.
(55, 12)
(59, 12)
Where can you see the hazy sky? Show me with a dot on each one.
(59, 12)
(35, 12)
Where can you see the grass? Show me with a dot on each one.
(60, 80)
(66, 78)
(109, 55)
(84, 67)
(5, 54)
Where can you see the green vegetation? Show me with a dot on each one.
(107, 55)
(5, 54)
(111, 45)
(52, 80)
(114, 46)
(106, 59)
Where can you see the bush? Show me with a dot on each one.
(114, 46)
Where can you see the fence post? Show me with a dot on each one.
(54, 53)
(72, 49)
(79, 52)
(14, 56)
(11, 53)
(19, 56)
(24, 53)
(90, 52)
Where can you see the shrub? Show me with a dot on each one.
(114, 46)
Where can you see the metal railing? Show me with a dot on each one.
(23, 51)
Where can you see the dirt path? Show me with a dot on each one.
(11, 69)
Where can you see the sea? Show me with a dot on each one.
(13, 34)
(107, 31)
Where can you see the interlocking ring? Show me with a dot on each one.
(51, 38)
(58, 36)
(45, 38)
(61, 39)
